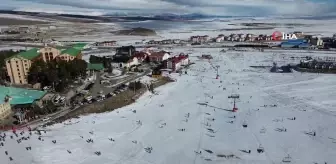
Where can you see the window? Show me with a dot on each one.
(8, 62)
(19, 73)
(16, 61)
(18, 70)
(20, 82)
(26, 65)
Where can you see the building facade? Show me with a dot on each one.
(159, 56)
(5, 108)
(18, 65)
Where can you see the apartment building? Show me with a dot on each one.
(18, 65)
(5, 108)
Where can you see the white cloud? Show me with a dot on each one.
(215, 7)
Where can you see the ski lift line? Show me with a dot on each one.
(258, 140)
(201, 130)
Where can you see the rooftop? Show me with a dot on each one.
(79, 46)
(20, 95)
(29, 54)
(71, 51)
(96, 67)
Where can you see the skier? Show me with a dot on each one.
(6, 152)
(69, 151)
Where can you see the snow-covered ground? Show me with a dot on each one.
(310, 98)
(14, 48)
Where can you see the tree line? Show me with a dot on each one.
(103, 60)
(57, 74)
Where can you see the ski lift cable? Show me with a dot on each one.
(258, 140)
(201, 132)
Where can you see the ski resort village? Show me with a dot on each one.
(84, 98)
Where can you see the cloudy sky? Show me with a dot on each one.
(211, 7)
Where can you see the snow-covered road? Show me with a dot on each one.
(310, 98)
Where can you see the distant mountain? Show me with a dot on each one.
(122, 15)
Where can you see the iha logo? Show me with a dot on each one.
(277, 35)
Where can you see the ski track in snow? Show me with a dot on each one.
(308, 97)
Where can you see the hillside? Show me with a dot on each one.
(136, 31)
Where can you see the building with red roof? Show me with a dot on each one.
(175, 63)
(159, 56)
(141, 56)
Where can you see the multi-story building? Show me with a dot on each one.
(70, 54)
(18, 65)
(5, 108)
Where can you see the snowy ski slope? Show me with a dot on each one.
(310, 98)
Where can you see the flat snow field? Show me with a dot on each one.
(310, 98)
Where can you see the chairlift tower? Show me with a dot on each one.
(234, 97)
(217, 75)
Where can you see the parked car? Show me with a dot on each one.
(111, 94)
(46, 119)
(46, 88)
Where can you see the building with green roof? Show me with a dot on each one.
(79, 46)
(20, 96)
(71, 51)
(95, 67)
(29, 54)
(18, 65)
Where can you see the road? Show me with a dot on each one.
(66, 109)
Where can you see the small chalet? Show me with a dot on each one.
(132, 62)
(141, 56)
(219, 39)
(125, 51)
(106, 43)
(159, 56)
(199, 39)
